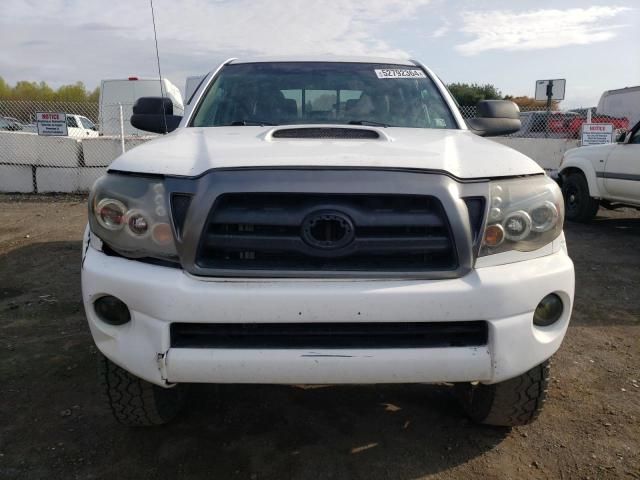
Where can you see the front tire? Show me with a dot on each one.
(517, 401)
(579, 205)
(135, 402)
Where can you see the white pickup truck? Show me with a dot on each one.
(79, 126)
(325, 221)
(602, 175)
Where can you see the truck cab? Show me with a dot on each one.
(79, 126)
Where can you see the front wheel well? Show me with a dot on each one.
(571, 171)
(587, 175)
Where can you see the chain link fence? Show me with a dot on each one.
(537, 123)
(30, 163)
(97, 135)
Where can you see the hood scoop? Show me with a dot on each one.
(337, 133)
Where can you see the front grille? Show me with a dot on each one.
(327, 233)
(327, 132)
(475, 207)
(179, 205)
(329, 335)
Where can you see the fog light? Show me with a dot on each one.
(548, 311)
(112, 310)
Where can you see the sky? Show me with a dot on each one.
(594, 45)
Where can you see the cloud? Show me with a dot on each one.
(442, 30)
(84, 40)
(537, 29)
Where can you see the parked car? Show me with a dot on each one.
(571, 122)
(565, 123)
(543, 124)
(536, 124)
(602, 175)
(10, 124)
(80, 126)
(325, 221)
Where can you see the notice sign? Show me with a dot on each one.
(399, 73)
(596, 133)
(51, 123)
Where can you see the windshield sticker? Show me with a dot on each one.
(399, 73)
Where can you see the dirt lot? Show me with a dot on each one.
(53, 423)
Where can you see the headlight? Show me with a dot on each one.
(524, 214)
(131, 215)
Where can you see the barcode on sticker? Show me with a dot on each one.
(399, 73)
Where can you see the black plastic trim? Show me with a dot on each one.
(329, 335)
(341, 133)
(619, 176)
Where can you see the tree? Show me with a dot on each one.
(528, 103)
(469, 94)
(5, 89)
(34, 91)
(94, 96)
(72, 93)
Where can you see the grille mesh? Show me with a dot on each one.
(264, 232)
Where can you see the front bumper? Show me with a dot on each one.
(505, 296)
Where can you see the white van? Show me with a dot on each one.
(191, 86)
(125, 92)
(623, 102)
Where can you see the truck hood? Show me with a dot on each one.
(591, 151)
(192, 151)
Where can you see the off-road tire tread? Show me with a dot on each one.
(135, 402)
(517, 401)
(590, 206)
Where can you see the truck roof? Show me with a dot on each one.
(133, 79)
(621, 90)
(325, 58)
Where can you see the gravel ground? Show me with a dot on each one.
(54, 424)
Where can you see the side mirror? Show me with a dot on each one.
(154, 114)
(495, 117)
(621, 137)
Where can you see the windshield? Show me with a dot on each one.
(284, 93)
(86, 123)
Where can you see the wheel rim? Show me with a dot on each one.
(571, 198)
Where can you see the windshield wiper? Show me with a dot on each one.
(242, 123)
(368, 122)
